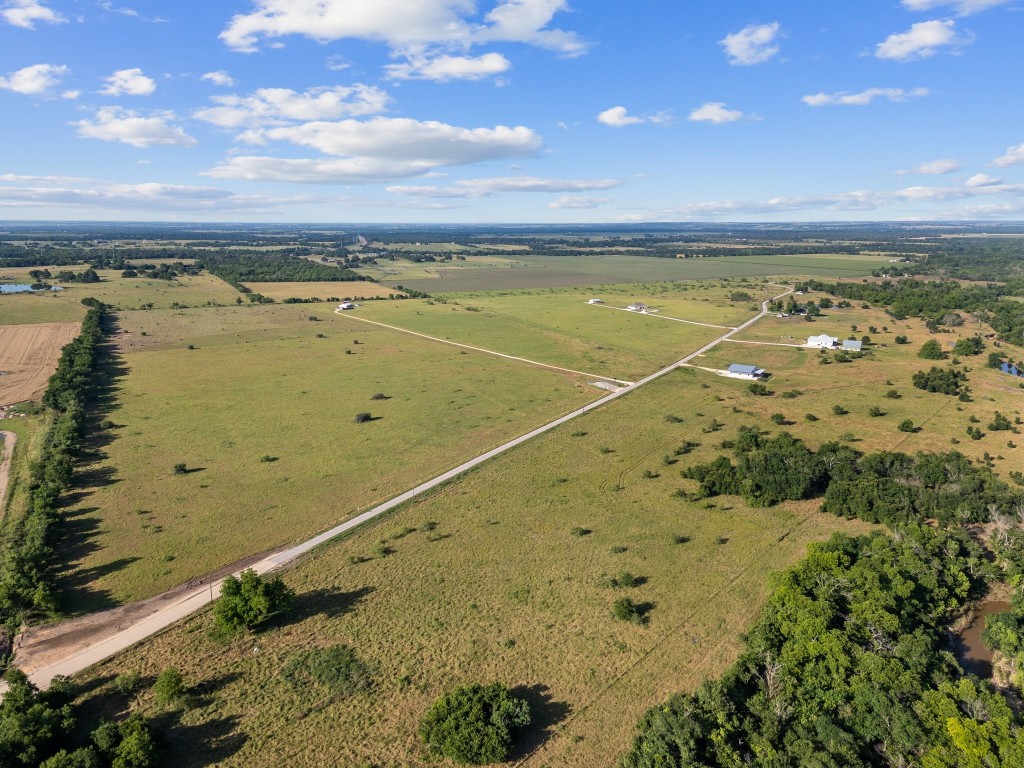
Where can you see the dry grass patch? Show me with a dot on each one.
(28, 357)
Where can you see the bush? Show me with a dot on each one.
(906, 426)
(875, 411)
(902, 340)
(169, 687)
(378, 396)
(810, 417)
(931, 350)
(759, 389)
(838, 410)
(337, 669)
(625, 609)
(474, 724)
(248, 601)
(362, 418)
(181, 468)
(778, 418)
(127, 683)
(893, 394)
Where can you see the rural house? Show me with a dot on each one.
(824, 341)
(748, 372)
(852, 345)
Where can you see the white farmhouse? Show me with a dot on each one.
(748, 372)
(824, 341)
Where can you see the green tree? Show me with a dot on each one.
(248, 601)
(474, 724)
(931, 350)
(169, 687)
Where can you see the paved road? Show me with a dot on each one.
(9, 439)
(192, 601)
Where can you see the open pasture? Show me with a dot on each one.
(28, 357)
(322, 290)
(559, 327)
(502, 575)
(261, 410)
(567, 271)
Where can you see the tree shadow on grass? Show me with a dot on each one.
(210, 742)
(545, 715)
(79, 530)
(330, 603)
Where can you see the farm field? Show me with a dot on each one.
(132, 293)
(261, 411)
(322, 290)
(28, 357)
(559, 327)
(568, 271)
(500, 576)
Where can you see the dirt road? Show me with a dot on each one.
(6, 457)
(70, 648)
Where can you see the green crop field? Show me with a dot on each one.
(563, 271)
(261, 411)
(500, 576)
(559, 327)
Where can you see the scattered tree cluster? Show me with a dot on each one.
(475, 724)
(947, 381)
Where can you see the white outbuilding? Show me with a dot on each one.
(748, 372)
(824, 341)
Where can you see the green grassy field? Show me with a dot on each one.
(322, 290)
(260, 383)
(506, 585)
(559, 327)
(567, 271)
(120, 292)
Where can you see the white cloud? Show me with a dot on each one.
(1013, 156)
(715, 112)
(71, 95)
(924, 39)
(404, 25)
(406, 140)
(17, 177)
(276, 106)
(129, 82)
(578, 202)
(983, 180)
(488, 187)
(619, 117)
(381, 149)
(862, 98)
(25, 13)
(128, 127)
(444, 68)
(754, 44)
(33, 80)
(933, 168)
(220, 77)
(961, 7)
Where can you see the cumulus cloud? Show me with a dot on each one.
(129, 127)
(922, 40)
(982, 180)
(276, 106)
(489, 187)
(220, 77)
(863, 98)
(129, 82)
(619, 117)
(754, 44)
(961, 7)
(1013, 156)
(380, 149)
(443, 68)
(715, 112)
(424, 23)
(25, 13)
(578, 202)
(933, 168)
(34, 80)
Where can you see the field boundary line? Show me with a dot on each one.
(199, 597)
(667, 317)
(341, 312)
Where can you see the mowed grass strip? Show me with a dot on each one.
(261, 411)
(503, 575)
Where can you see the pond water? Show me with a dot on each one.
(24, 288)
(1013, 370)
(968, 647)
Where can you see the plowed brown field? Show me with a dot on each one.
(28, 357)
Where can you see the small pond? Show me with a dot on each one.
(1013, 370)
(25, 288)
(968, 647)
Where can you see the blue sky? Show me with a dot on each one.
(511, 110)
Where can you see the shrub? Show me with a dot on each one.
(169, 687)
(625, 609)
(759, 389)
(778, 418)
(906, 426)
(673, 419)
(337, 669)
(931, 350)
(876, 411)
(378, 396)
(838, 410)
(127, 683)
(580, 532)
(893, 394)
(902, 340)
(181, 468)
(248, 601)
(1000, 423)
(362, 418)
(810, 417)
(474, 724)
